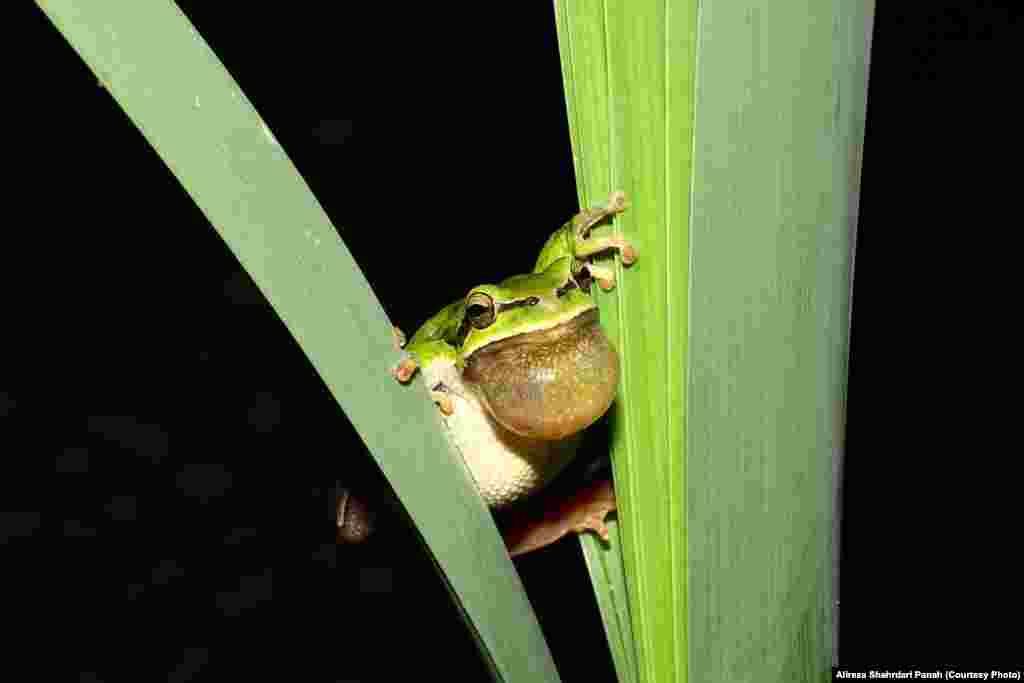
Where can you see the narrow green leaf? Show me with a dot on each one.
(173, 87)
(625, 69)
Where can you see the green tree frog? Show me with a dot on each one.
(520, 368)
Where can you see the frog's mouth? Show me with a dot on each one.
(547, 384)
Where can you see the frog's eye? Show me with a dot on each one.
(480, 310)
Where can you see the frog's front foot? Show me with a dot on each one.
(586, 245)
(443, 399)
(405, 369)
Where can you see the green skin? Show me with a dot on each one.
(529, 353)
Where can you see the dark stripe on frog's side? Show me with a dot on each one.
(528, 301)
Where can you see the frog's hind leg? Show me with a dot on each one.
(548, 517)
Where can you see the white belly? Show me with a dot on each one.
(506, 467)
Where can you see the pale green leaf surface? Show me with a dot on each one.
(176, 91)
(780, 108)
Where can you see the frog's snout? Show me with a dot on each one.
(548, 385)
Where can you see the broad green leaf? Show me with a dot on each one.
(175, 90)
(735, 130)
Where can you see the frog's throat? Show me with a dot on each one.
(547, 384)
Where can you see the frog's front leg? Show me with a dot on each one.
(404, 371)
(585, 245)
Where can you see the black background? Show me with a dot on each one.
(197, 450)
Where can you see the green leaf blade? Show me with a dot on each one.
(176, 91)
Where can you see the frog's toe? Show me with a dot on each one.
(593, 520)
(616, 202)
(628, 252)
(604, 274)
(404, 371)
(444, 402)
(593, 505)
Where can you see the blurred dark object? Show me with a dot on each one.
(355, 518)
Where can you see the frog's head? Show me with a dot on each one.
(533, 350)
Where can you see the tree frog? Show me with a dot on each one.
(520, 368)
